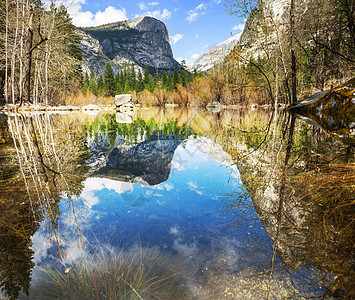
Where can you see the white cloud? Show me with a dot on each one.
(193, 14)
(194, 187)
(196, 36)
(153, 3)
(200, 6)
(185, 249)
(199, 10)
(169, 186)
(93, 184)
(177, 37)
(111, 14)
(195, 56)
(175, 165)
(239, 27)
(142, 6)
(174, 230)
(87, 18)
(165, 14)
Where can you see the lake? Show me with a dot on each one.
(175, 204)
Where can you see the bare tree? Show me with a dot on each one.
(40, 56)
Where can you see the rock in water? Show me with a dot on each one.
(214, 106)
(122, 99)
(333, 110)
(123, 118)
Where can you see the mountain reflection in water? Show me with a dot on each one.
(178, 204)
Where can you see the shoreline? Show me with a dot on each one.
(13, 108)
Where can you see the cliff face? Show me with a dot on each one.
(141, 41)
(215, 55)
(278, 9)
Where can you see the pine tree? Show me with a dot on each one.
(165, 80)
(122, 80)
(132, 78)
(146, 76)
(194, 74)
(127, 87)
(183, 73)
(109, 80)
(140, 83)
(118, 89)
(92, 83)
(175, 77)
(169, 82)
(100, 85)
(85, 82)
(183, 77)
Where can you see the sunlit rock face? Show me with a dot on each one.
(279, 10)
(140, 41)
(93, 57)
(148, 162)
(215, 55)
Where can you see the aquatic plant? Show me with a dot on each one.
(140, 273)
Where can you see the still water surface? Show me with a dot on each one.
(177, 204)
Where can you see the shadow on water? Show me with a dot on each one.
(286, 230)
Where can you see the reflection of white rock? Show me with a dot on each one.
(214, 107)
(123, 118)
(90, 107)
(128, 110)
(214, 150)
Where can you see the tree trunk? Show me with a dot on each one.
(28, 58)
(293, 57)
(6, 52)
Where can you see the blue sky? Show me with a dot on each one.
(194, 26)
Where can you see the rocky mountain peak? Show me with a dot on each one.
(140, 41)
(150, 24)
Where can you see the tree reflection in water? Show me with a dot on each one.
(41, 163)
(299, 183)
(302, 188)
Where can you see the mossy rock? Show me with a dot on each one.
(333, 110)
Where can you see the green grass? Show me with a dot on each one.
(140, 273)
